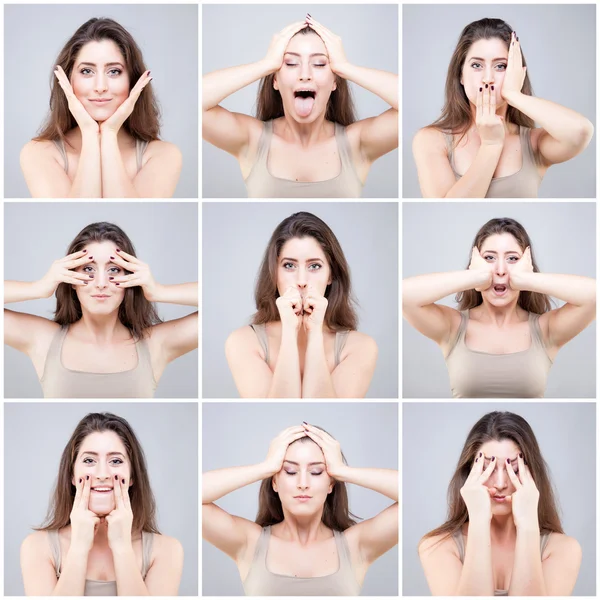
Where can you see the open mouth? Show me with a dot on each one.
(304, 101)
(500, 289)
(102, 490)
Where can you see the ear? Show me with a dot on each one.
(275, 86)
(334, 85)
(331, 485)
(274, 484)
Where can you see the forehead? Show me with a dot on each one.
(104, 51)
(501, 449)
(501, 242)
(101, 251)
(306, 44)
(488, 49)
(302, 248)
(304, 452)
(102, 442)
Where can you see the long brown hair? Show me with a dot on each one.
(456, 115)
(336, 513)
(530, 301)
(135, 312)
(340, 108)
(498, 426)
(141, 497)
(143, 123)
(340, 314)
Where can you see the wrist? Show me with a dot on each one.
(315, 334)
(267, 67)
(340, 472)
(121, 548)
(521, 281)
(511, 95)
(155, 292)
(266, 469)
(342, 69)
(40, 289)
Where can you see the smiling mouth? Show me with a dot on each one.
(101, 101)
(304, 497)
(102, 490)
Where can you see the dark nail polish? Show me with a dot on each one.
(80, 480)
(85, 283)
(117, 284)
(116, 477)
(493, 458)
(480, 454)
(118, 250)
(90, 258)
(520, 455)
(87, 477)
(91, 277)
(508, 461)
(149, 72)
(486, 86)
(476, 459)
(110, 278)
(84, 250)
(112, 258)
(123, 481)
(492, 88)
(481, 89)
(517, 39)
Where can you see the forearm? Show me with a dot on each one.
(476, 181)
(286, 376)
(573, 289)
(72, 575)
(129, 577)
(383, 481)
(87, 182)
(219, 483)
(527, 575)
(115, 181)
(477, 576)
(427, 289)
(380, 83)
(316, 382)
(180, 293)
(20, 291)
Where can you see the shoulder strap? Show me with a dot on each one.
(343, 550)
(55, 549)
(63, 152)
(536, 332)
(145, 360)
(147, 544)
(264, 142)
(544, 542)
(262, 545)
(261, 333)
(343, 146)
(460, 544)
(341, 337)
(464, 319)
(140, 148)
(526, 148)
(54, 351)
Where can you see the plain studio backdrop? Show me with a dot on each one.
(235, 237)
(168, 38)
(236, 434)
(433, 438)
(165, 236)
(35, 435)
(559, 44)
(438, 238)
(236, 34)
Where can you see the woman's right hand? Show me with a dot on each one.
(483, 268)
(279, 43)
(290, 309)
(278, 447)
(83, 118)
(60, 272)
(490, 126)
(83, 520)
(476, 495)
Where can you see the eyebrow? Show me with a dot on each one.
(309, 464)
(307, 260)
(507, 252)
(109, 454)
(313, 54)
(483, 59)
(110, 64)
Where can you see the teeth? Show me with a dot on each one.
(99, 489)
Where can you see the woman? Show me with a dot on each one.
(302, 342)
(106, 341)
(503, 535)
(485, 144)
(101, 137)
(503, 338)
(305, 141)
(303, 519)
(101, 526)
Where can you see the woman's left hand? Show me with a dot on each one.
(526, 497)
(140, 274)
(314, 306)
(519, 272)
(333, 43)
(114, 122)
(514, 76)
(330, 447)
(120, 519)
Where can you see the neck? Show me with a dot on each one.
(502, 528)
(100, 329)
(304, 134)
(302, 529)
(499, 315)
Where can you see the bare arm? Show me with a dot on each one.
(115, 181)
(164, 576)
(317, 381)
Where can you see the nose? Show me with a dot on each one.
(302, 483)
(488, 75)
(500, 267)
(100, 279)
(301, 278)
(102, 472)
(305, 73)
(100, 83)
(499, 477)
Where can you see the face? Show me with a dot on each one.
(303, 482)
(305, 80)
(485, 63)
(102, 455)
(503, 252)
(100, 296)
(301, 263)
(99, 79)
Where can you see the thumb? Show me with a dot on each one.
(492, 491)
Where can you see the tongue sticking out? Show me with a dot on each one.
(304, 106)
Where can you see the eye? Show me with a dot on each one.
(316, 266)
(513, 258)
(85, 71)
(288, 265)
(503, 67)
(475, 65)
(87, 269)
(488, 256)
(116, 461)
(291, 472)
(116, 72)
(87, 461)
(291, 64)
(115, 270)
(317, 473)
(319, 65)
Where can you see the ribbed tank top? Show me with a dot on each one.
(475, 374)
(460, 543)
(60, 382)
(101, 588)
(261, 184)
(524, 183)
(341, 337)
(261, 582)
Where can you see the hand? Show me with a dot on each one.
(525, 499)
(331, 449)
(490, 126)
(278, 447)
(120, 519)
(290, 309)
(83, 118)
(61, 272)
(279, 43)
(477, 496)
(483, 267)
(116, 120)
(518, 273)
(514, 77)
(333, 43)
(83, 520)
(140, 274)
(314, 306)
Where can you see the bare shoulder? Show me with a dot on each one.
(562, 544)
(35, 545)
(163, 150)
(361, 342)
(164, 545)
(429, 139)
(242, 339)
(34, 151)
(441, 543)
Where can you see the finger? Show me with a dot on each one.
(128, 266)
(129, 284)
(487, 472)
(512, 475)
(314, 438)
(73, 281)
(72, 264)
(486, 101)
(524, 473)
(78, 492)
(479, 101)
(128, 257)
(124, 278)
(125, 493)
(492, 100)
(477, 467)
(78, 275)
(85, 498)
(75, 255)
(118, 492)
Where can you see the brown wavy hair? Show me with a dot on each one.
(336, 513)
(340, 108)
(498, 426)
(340, 314)
(456, 115)
(135, 312)
(142, 124)
(530, 301)
(142, 500)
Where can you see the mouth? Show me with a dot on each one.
(500, 289)
(499, 498)
(100, 100)
(302, 498)
(304, 101)
(101, 296)
(102, 490)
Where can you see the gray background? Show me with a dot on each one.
(165, 236)
(240, 34)
(563, 239)
(235, 237)
(168, 38)
(559, 44)
(35, 435)
(433, 437)
(253, 426)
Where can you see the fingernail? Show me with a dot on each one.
(520, 455)
(87, 476)
(493, 458)
(476, 459)
(112, 258)
(122, 480)
(85, 283)
(492, 88)
(486, 86)
(110, 278)
(508, 461)
(84, 250)
(481, 89)
(90, 257)
(480, 454)
(517, 39)
(80, 480)
(118, 250)
(91, 276)
(304, 422)
(116, 477)
(149, 72)
(117, 284)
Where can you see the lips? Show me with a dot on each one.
(500, 289)
(102, 490)
(100, 296)
(499, 498)
(100, 100)
(304, 101)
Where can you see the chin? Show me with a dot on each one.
(102, 508)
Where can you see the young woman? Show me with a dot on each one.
(485, 144)
(106, 340)
(304, 541)
(503, 338)
(503, 536)
(302, 342)
(100, 537)
(101, 137)
(305, 140)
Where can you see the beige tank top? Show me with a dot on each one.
(60, 382)
(341, 337)
(261, 184)
(475, 374)
(460, 543)
(101, 588)
(524, 183)
(261, 582)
